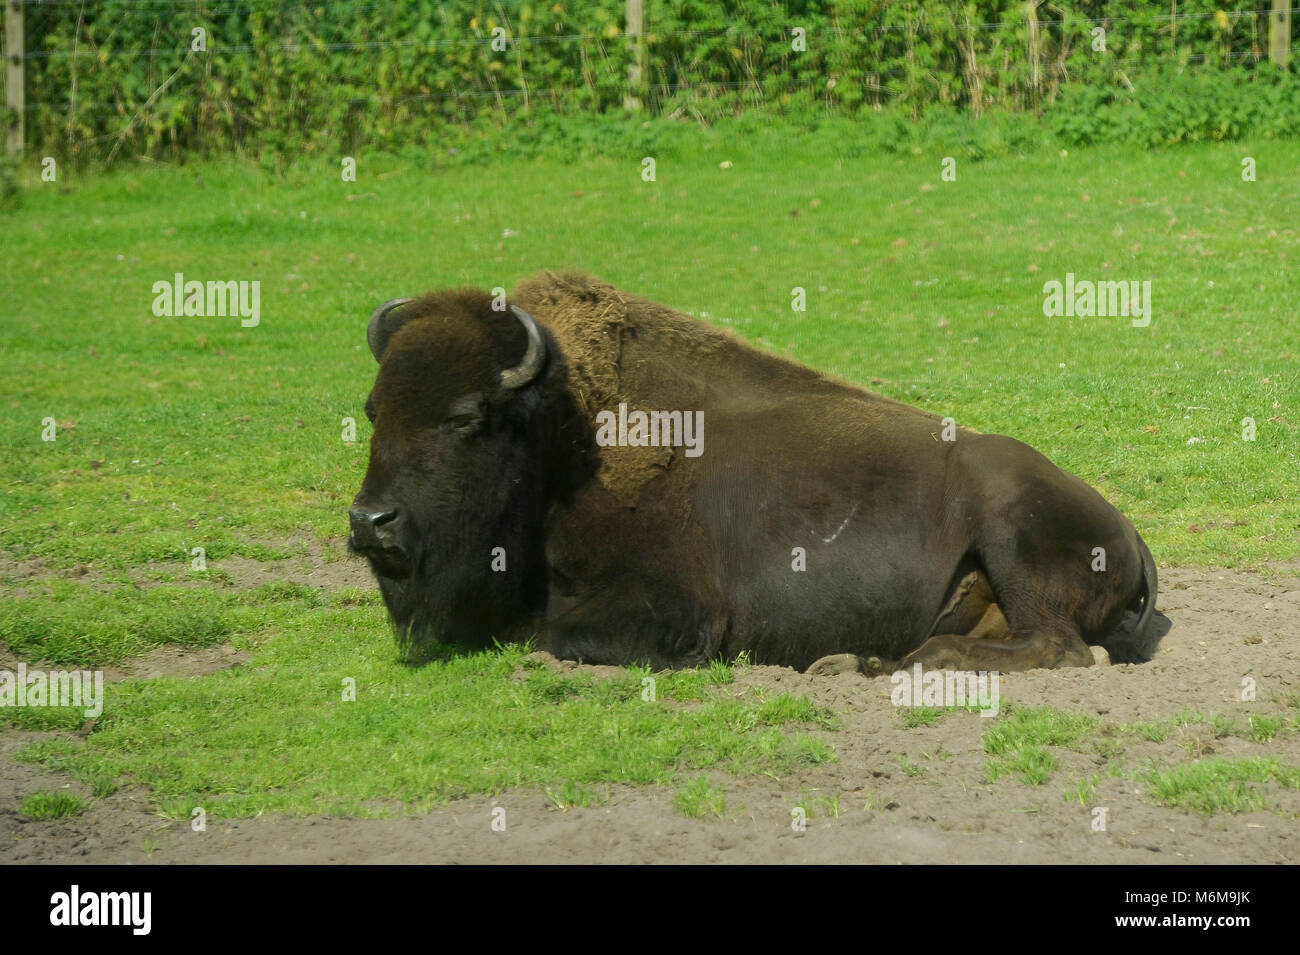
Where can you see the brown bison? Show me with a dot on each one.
(625, 483)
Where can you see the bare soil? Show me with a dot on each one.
(894, 795)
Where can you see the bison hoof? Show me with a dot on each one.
(843, 663)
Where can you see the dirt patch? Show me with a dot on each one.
(894, 795)
(156, 663)
(324, 565)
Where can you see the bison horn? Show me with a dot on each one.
(531, 364)
(379, 330)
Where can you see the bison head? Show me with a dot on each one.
(474, 436)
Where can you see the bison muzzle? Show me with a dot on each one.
(810, 519)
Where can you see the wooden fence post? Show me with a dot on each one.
(636, 68)
(1279, 33)
(14, 78)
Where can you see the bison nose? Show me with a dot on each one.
(372, 529)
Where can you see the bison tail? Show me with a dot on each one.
(1139, 644)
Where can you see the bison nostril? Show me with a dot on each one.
(371, 528)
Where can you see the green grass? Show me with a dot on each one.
(817, 804)
(51, 805)
(276, 735)
(76, 623)
(1084, 791)
(914, 716)
(923, 715)
(1020, 743)
(566, 795)
(910, 769)
(700, 799)
(198, 432)
(1221, 785)
(1017, 741)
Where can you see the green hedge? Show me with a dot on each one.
(336, 75)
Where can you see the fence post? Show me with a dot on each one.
(14, 79)
(1279, 32)
(635, 69)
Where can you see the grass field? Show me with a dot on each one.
(176, 433)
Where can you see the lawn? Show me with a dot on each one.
(177, 433)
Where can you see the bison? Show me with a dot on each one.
(624, 483)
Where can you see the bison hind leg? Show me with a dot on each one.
(969, 613)
(971, 633)
(972, 611)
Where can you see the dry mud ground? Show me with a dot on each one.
(1224, 625)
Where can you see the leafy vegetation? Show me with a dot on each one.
(279, 81)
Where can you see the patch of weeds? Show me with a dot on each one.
(47, 805)
(1107, 747)
(1032, 763)
(914, 716)
(1085, 791)
(102, 785)
(699, 799)
(1198, 746)
(721, 673)
(1017, 743)
(1220, 785)
(817, 805)
(1264, 728)
(914, 770)
(788, 708)
(1221, 726)
(43, 717)
(568, 795)
(1153, 731)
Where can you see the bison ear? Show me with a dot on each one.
(382, 325)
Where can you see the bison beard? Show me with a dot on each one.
(823, 521)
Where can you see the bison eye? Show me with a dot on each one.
(465, 416)
(466, 424)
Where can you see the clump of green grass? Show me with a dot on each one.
(1153, 731)
(1264, 728)
(914, 716)
(1032, 763)
(925, 715)
(911, 769)
(568, 795)
(51, 805)
(816, 804)
(699, 799)
(1017, 742)
(1217, 723)
(1221, 785)
(1084, 791)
